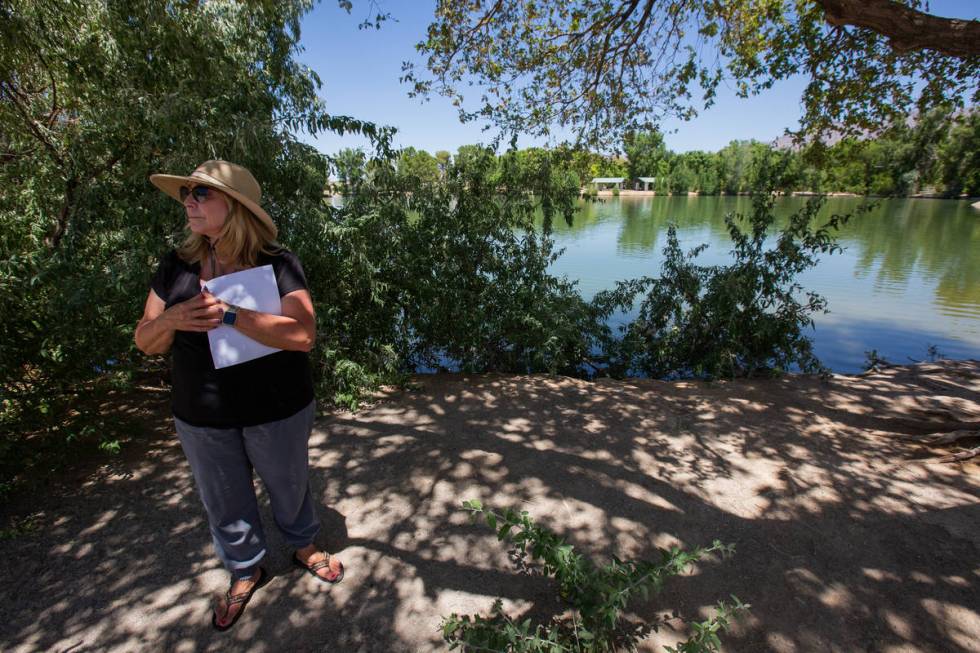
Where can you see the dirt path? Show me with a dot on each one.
(845, 542)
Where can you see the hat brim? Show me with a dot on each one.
(171, 184)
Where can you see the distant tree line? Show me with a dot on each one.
(937, 154)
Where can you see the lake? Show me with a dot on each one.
(908, 279)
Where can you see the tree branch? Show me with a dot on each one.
(72, 186)
(465, 39)
(11, 92)
(53, 239)
(906, 28)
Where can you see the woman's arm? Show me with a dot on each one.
(155, 330)
(152, 335)
(294, 330)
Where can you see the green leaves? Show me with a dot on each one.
(596, 596)
(436, 262)
(704, 638)
(94, 97)
(597, 69)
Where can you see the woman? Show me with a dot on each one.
(254, 415)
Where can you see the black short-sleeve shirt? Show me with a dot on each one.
(262, 390)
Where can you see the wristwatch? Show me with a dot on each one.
(231, 314)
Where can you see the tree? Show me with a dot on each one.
(444, 158)
(350, 164)
(959, 158)
(682, 178)
(611, 166)
(468, 153)
(849, 168)
(703, 166)
(579, 161)
(735, 167)
(418, 164)
(918, 144)
(601, 68)
(645, 151)
(95, 96)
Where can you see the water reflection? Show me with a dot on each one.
(910, 266)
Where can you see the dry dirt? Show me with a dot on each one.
(848, 537)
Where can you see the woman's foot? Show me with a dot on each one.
(230, 605)
(312, 559)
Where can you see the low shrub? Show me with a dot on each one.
(596, 597)
(741, 319)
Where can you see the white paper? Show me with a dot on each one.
(254, 289)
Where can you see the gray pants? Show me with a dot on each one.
(222, 461)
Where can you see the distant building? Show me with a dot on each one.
(647, 182)
(611, 182)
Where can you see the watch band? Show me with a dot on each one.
(230, 316)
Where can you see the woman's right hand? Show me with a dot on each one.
(202, 312)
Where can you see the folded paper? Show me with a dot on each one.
(254, 289)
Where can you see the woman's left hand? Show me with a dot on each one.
(222, 304)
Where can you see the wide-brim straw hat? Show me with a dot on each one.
(225, 176)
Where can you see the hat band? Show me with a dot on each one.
(203, 176)
(221, 185)
(211, 180)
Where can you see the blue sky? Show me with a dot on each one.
(360, 71)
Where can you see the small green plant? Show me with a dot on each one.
(705, 637)
(596, 597)
(874, 361)
(20, 527)
(110, 445)
(615, 191)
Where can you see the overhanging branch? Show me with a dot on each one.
(907, 29)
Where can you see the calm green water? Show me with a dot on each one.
(909, 276)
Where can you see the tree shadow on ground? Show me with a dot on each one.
(841, 542)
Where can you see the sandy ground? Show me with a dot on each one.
(847, 539)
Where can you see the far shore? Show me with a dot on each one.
(583, 192)
(795, 193)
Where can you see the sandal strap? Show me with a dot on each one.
(241, 597)
(235, 599)
(317, 566)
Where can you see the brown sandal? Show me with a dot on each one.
(235, 599)
(317, 566)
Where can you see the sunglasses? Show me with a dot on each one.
(200, 193)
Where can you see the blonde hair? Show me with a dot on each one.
(243, 237)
